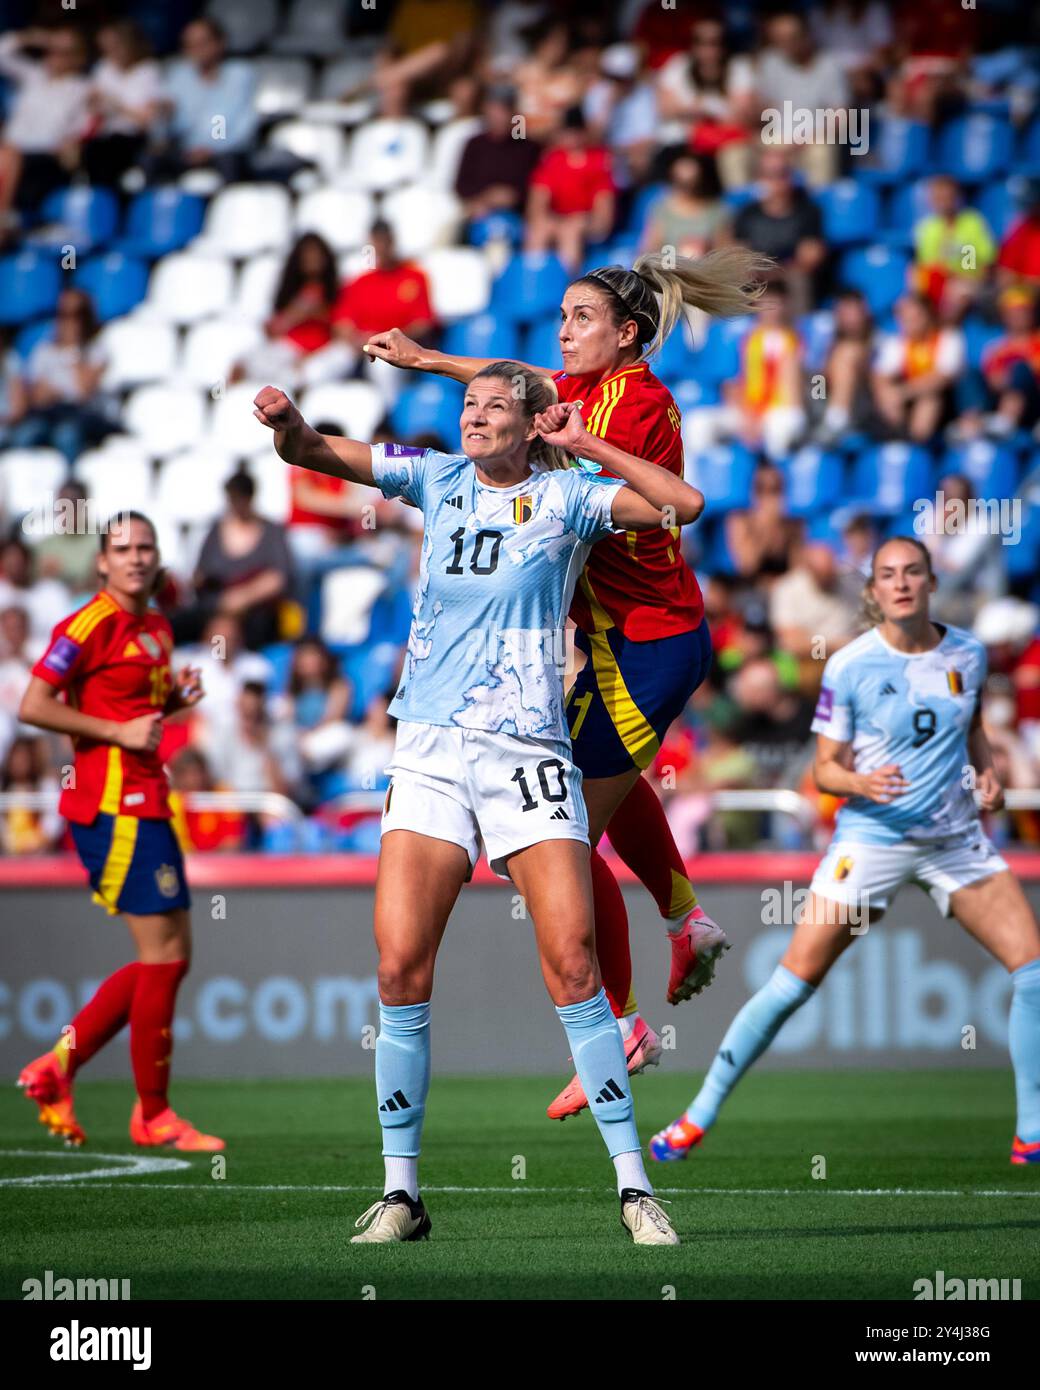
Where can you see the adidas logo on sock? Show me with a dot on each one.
(727, 1057)
(455, 502)
(398, 1101)
(611, 1091)
(888, 688)
(561, 814)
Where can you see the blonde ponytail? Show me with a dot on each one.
(724, 283)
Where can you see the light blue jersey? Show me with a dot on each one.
(496, 575)
(913, 710)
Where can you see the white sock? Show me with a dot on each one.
(401, 1173)
(674, 925)
(628, 1025)
(630, 1171)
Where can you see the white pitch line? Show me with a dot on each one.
(126, 1166)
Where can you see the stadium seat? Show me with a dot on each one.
(249, 24)
(117, 476)
(878, 272)
(446, 152)
(817, 334)
(185, 288)
(256, 286)
(271, 476)
(30, 282)
(213, 347)
(460, 282)
(347, 597)
(343, 75)
(541, 342)
(977, 335)
(851, 212)
(718, 357)
(991, 467)
(35, 332)
(244, 220)
(422, 218)
(166, 418)
(815, 480)
(531, 286)
(29, 478)
(974, 148)
(190, 487)
(116, 283)
(1027, 158)
(316, 31)
(482, 335)
(385, 154)
(342, 216)
(233, 426)
(886, 478)
(161, 220)
(694, 395)
(138, 352)
(1002, 202)
(675, 360)
(431, 407)
(899, 151)
(907, 203)
(321, 144)
(723, 473)
(642, 202)
(355, 406)
(81, 216)
(283, 85)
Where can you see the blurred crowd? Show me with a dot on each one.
(571, 134)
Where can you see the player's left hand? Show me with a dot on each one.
(188, 687)
(562, 425)
(991, 793)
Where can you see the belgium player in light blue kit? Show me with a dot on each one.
(899, 736)
(482, 758)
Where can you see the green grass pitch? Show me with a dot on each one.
(303, 1162)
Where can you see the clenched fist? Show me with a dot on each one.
(273, 408)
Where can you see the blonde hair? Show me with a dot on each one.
(535, 393)
(658, 289)
(870, 610)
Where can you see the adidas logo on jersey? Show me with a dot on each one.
(561, 814)
(611, 1091)
(888, 688)
(398, 1101)
(455, 502)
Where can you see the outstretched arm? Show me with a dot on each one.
(654, 496)
(400, 351)
(299, 444)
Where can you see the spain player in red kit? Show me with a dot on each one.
(105, 680)
(637, 607)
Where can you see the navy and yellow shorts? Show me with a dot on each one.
(135, 865)
(628, 694)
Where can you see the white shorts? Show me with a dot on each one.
(476, 789)
(868, 876)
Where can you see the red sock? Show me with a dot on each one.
(99, 1019)
(151, 1032)
(642, 838)
(615, 958)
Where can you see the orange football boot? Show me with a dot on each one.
(1021, 1152)
(46, 1082)
(168, 1130)
(642, 1050)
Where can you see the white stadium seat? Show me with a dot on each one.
(317, 30)
(283, 85)
(249, 24)
(29, 478)
(347, 596)
(385, 154)
(138, 351)
(344, 75)
(357, 407)
(272, 483)
(342, 216)
(245, 219)
(117, 476)
(448, 143)
(234, 427)
(323, 145)
(191, 485)
(212, 348)
(185, 288)
(460, 281)
(422, 218)
(165, 418)
(257, 284)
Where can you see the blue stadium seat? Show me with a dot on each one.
(432, 407)
(723, 473)
(715, 557)
(977, 334)
(87, 217)
(30, 282)
(900, 148)
(1023, 559)
(481, 336)
(990, 467)
(1003, 202)
(541, 342)
(610, 253)
(161, 220)
(878, 272)
(496, 226)
(817, 334)
(851, 212)
(907, 203)
(675, 361)
(888, 477)
(1027, 158)
(815, 480)
(531, 287)
(117, 283)
(31, 334)
(718, 359)
(974, 148)
(370, 667)
(691, 394)
(641, 204)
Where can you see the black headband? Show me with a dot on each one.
(633, 313)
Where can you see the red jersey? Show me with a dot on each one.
(638, 582)
(574, 178)
(381, 297)
(114, 665)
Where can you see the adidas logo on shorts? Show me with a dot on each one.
(561, 814)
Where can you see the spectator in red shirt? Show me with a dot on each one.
(299, 325)
(1008, 383)
(572, 198)
(1019, 257)
(395, 294)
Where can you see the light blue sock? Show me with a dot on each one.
(748, 1036)
(402, 1076)
(1024, 1046)
(599, 1060)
